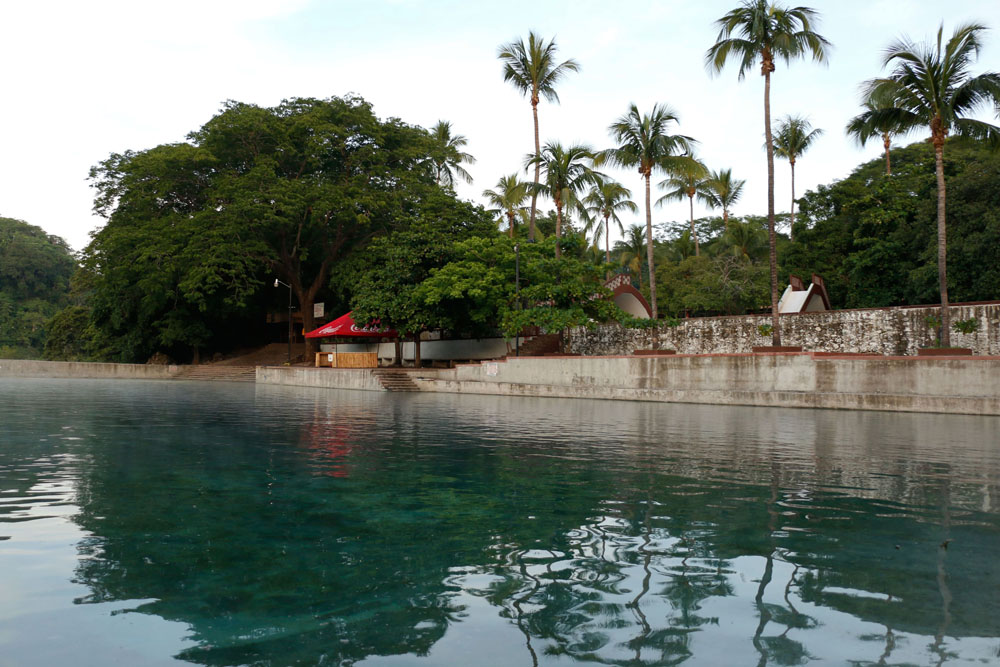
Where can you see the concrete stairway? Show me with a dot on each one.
(394, 379)
(217, 373)
(537, 346)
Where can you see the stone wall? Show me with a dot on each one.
(84, 369)
(889, 331)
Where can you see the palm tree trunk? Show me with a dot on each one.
(510, 221)
(942, 245)
(649, 250)
(886, 142)
(791, 217)
(607, 241)
(697, 250)
(538, 171)
(773, 253)
(558, 227)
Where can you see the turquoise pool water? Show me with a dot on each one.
(146, 523)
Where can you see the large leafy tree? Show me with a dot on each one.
(793, 136)
(534, 70)
(567, 174)
(867, 126)
(686, 178)
(759, 31)
(604, 200)
(195, 229)
(723, 191)
(35, 270)
(448, 156)
(508, 199)
(644, 143)
(932, 88)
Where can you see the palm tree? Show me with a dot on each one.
(643, 142)
(448, 156)
(605, 199)
(723, 191)
(532, 69)
(631, 250)
(686, 179)
(566, 175)
(759, 29)
(745, 240)
(932, 88)
(793, 137)
(863, 127)
(508, 198)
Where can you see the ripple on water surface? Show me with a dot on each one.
(226, 524)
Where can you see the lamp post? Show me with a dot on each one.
(517, 291)
(276, 283)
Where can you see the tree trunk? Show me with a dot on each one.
(397, 352)
(538, 168)
(942, 244)
(886, 142)
(195, 355)
(649, 250)
(607, 243)
(510, 222)
(725, 218)
(791, 217)
(416, 351)
(697, 249)
(558, 227)
(773, 253)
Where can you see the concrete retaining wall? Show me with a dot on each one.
(327, 378)
(84, 369)
(954, 385)
(888, 331)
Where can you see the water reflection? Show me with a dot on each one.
(278, 525)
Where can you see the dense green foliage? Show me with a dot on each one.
(196, 230)
(35, 270)
(873, 238)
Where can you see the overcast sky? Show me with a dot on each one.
(85, 79)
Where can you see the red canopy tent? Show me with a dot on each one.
(345, 326)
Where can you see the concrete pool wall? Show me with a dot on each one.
(969, 385)
(27, 368)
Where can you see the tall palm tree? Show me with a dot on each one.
(759, 30)
(533, 70)
(933, 88)
(793, 137)
(687, 178)
(508, 198)
(605, 199)
(566, 175)
(863, 127)
(643, 143)
(631, 250)
(447, 155)
(723, 191)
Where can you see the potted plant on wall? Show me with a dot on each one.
(935, 349)
(765, 331)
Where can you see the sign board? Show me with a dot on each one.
(318, 309)
(492, 369)
(329, 358)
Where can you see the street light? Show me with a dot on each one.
(517, 290)
(276, 283)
